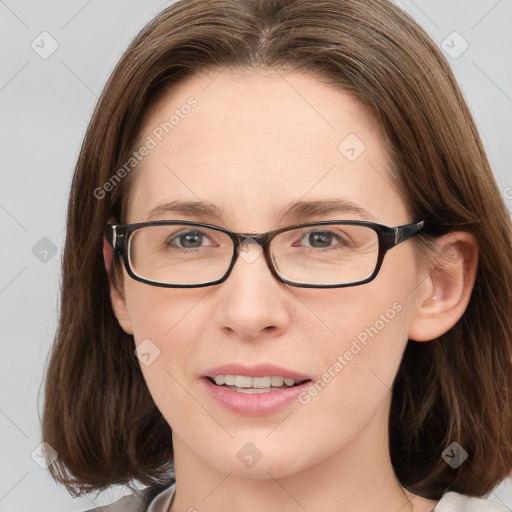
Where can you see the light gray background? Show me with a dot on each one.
(46, 105)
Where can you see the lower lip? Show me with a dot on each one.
(254, 404)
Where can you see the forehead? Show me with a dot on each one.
(253, 141)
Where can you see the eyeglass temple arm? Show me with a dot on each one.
(113, 237)
(403, 233)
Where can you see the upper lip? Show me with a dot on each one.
(258, 370)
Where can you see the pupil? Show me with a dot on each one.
(321, 237)
(189, 237)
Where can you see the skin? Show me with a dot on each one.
(256, 141)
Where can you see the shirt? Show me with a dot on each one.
(146, 501)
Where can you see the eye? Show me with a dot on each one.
(320, 239)
(190, 239)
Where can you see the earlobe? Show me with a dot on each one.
(116, 298)
(444, 296)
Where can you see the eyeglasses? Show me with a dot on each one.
(328, 254)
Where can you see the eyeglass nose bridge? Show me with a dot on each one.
(262, 239)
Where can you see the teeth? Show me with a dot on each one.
(277, 381)
(220, 380)
(261, 382)
(243, 381)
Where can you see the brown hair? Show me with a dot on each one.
(99, 415)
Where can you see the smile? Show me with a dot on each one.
(247, 384)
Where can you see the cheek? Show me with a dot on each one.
(362, 357)
(368, 331)
(158, 313)
(358, 365)
(166, 325)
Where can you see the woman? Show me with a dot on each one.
(254, 172)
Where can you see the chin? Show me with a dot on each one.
(260, 460)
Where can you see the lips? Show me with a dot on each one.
(254, 390)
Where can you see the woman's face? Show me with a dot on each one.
(252, 144)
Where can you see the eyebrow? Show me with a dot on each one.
(292, 211)
(300, 209)
(197, 208)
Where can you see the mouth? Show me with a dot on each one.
(254, 390)
(248, 384)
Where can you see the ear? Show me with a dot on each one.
(116, 297)
(444, 294)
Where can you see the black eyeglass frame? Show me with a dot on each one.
(118, 236)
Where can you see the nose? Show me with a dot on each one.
(252, 301)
